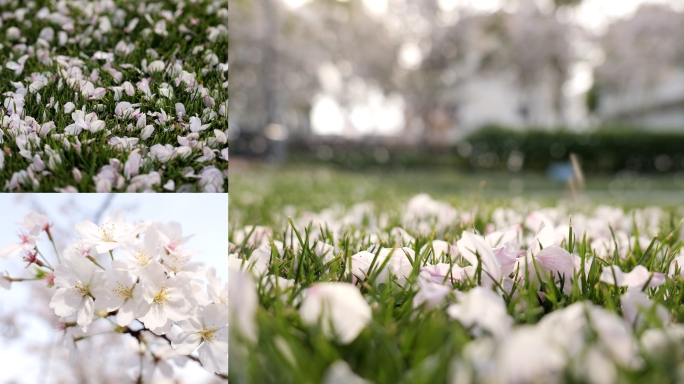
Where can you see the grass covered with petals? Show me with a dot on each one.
(114, 96)
(418, 290)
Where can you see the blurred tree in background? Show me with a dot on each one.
(276, 56)
(450, 69)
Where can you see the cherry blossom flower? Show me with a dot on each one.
(166, 297)
(113, 233)
(35, 219)
(138, 255)
(208, 331)
(171, 236)
(78, 283)
(28, 241)
(178, 263)
(122, 294)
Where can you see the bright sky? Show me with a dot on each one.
(596, 15)
(204, 215)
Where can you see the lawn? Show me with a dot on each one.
(116, 96)
(260, 190)
(343, 277)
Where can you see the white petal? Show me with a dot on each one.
(156, 317)
(557, 260)
(127, 313)
(85, 312)
(340, 373)
(214, 357)
(483, 308)
(192, 324)
(636, 278)
(636, 304)
(186, 342)
(340, 304)
(63, 303)
(215, 315)
(10, 251)
(242, 304)
(469, 245)
(97, 125)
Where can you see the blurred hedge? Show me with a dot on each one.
(604, 150)
(608, 149)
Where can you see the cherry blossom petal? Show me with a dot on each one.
(339, 305)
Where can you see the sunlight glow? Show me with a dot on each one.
(294, 4)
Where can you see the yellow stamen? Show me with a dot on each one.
(108, 232)
(122, 291)
(207, 334)
(82, 289)
(162, 296)
(142, 257)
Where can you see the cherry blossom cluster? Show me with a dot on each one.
(96, 100)
(477, 278)
(132, 278)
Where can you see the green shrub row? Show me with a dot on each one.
(604, 150)
(608, 149)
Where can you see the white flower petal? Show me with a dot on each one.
(340, 304)
(186, 342)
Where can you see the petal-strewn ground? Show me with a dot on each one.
(114, 96)
(469, 290)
